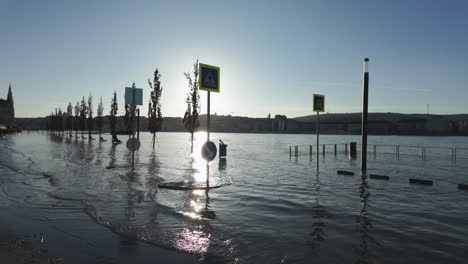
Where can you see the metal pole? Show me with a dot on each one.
(208, 119)
(138, 124)
(365, 104)
(208, 139)
(132, 126)
(317, 130)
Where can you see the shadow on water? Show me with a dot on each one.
(365, 224)
(153, 178)
(320, 213)
(98, 160)
(222, 165)
(56, 137)
(112, 159)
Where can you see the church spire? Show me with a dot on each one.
(10, 96)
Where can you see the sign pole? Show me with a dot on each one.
(208, 119)
(132, 122)
(317, 130)
(365, 104)
(208, 128)
(318, 106)
(208, 81)
(138, 124)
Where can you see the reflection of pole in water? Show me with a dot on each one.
(318, 232)
(207, 213)
(207, 176)
(364, 222)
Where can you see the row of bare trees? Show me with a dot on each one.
(76, 119)
(80, 117)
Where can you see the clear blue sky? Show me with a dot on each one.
(273, 54)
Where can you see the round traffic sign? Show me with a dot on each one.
(133, 144)
(208, 151)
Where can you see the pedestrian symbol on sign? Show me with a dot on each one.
(209, 80)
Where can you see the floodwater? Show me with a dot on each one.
(269, 207)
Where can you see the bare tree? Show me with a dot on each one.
(60, 121)
(155, 118)
(90, 117)
(190, 120)
(76, 119)
(100, 111)
(69, 122)
(113, 118)
(128, 119)
(83, 112)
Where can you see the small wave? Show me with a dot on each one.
(68, 196)
(127, 231)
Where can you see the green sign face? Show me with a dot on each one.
(319, 103)
(208, 78)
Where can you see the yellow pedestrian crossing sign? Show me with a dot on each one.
(319, 103)
(208, 79)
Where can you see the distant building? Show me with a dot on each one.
(280, 123)
(7, 110)
(412, 126)
(433, 125)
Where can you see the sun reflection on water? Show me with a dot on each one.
(193, 240)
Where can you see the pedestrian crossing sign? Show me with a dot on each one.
(208, 78)
(319, 103)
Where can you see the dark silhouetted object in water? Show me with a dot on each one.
(190, 120)
(155, 118)
(99, 121)
(113, 118)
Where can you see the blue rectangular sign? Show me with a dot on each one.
(138, 96)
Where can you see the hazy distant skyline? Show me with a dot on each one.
(273, 54)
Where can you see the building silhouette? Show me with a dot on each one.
(7, 110)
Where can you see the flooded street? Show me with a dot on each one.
(269, 208)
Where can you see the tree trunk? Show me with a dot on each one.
(191, 145)
(154, 138)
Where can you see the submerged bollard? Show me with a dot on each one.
(222, 150)
(343, 172)
(419, 181)
(352, 149)
(310, 150)
(335, 149)
(323, 149)
(346, 148)
(296, 151)
(379, 177)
